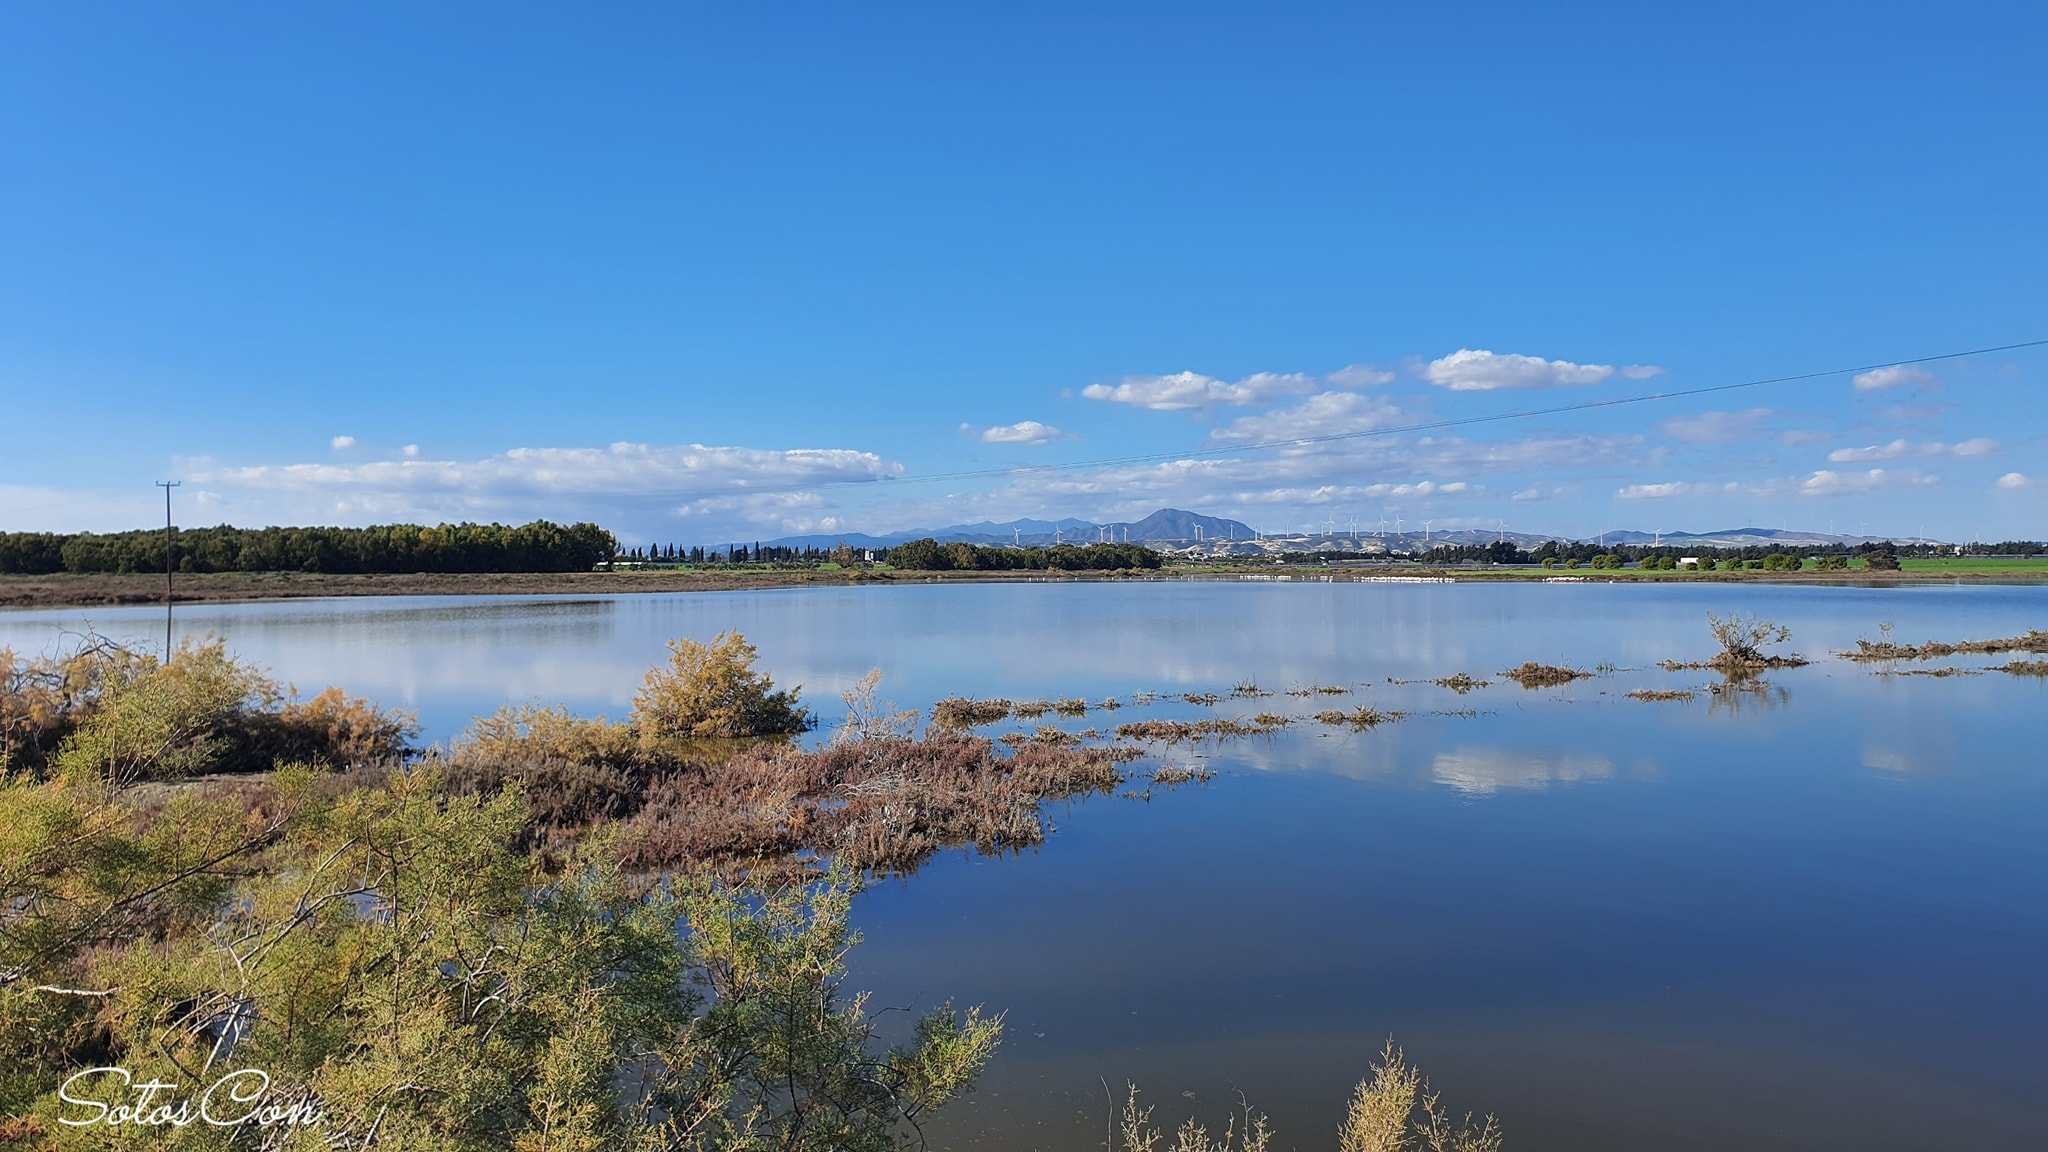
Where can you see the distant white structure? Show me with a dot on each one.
(1688, 561)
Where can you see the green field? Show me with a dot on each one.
(2034, 566)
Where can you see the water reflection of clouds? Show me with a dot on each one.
(1417, 755)
(1484, 771)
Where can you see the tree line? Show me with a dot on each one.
(928, 555)
(541, 546)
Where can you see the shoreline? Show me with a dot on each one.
(93, 590)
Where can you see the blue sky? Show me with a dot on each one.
(690, 269)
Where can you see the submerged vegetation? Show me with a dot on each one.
(1531, 674)
(2035, 641)
(1359, 719)
(966, 712)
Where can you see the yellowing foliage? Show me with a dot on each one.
(712, 690)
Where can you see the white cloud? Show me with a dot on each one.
(1022, 432)
(412, 451)
(1891, 451)
(1896, 376)
(1186, 391)
(1467, 370)
(1829, 483)
(1662, 491)
(1717, 427)
(1192, 391)
(341, 442)
(1323, 414)
(1641, 371)
(1359, 376)
(2014, 481)
(1899, 449)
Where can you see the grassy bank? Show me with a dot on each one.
(93, 590)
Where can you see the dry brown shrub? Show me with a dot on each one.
(1032, 709)
(336, 728)
(1461, 683)
(2024, 667)
(883, 803)
(1205, 699)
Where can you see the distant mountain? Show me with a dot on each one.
(1746, 538)
(1173, 528)
(1168, 525)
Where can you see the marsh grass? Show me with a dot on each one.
(1070, 706)
(1653, 694)
(1392, 1110)
(1173, 774)
(1461, 683)
(2024, 668)
(1360, 719)
(1936, 673)
(1131, 1130)
(1533, 675)
(1032, 709)
(1204, 699)
(1247, 689)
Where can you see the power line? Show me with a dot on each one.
(167, 485)
(1332, 437)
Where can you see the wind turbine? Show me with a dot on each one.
(1503, 531)
(1425, 532)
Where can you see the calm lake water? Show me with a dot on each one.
(1814, 917)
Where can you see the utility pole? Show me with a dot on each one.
(167, 485)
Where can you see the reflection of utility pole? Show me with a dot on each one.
(167, 485)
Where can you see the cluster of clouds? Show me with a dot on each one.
(1469, 370)
(683, 481)
(1900, 449)
(1822, 482)
(1279, 444)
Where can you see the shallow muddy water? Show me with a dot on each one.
(1811, 916)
